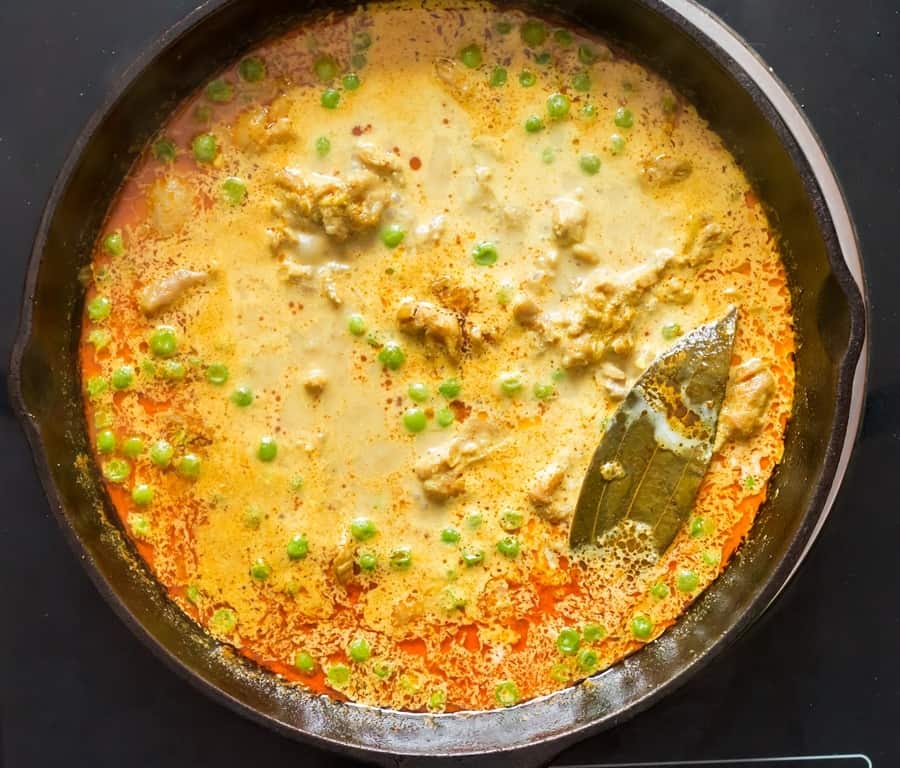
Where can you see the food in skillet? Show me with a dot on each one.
(359, 319)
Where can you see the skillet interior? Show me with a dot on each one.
(829, 317)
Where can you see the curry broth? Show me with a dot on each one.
(433, 284)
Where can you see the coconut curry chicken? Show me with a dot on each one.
(359, 318)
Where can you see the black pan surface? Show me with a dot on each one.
(791, 176)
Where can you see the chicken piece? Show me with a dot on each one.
(546, 482)
(442, 468)
(525, 309)
(586, 254)
(315, 381)
(259, 127)
(675, 291)
(342, 562)
(705, 237)
(167, 291)
(171, 205)
(341, 206)
(422, 318)
(454, 78)
(377, 160)
(750, 390)
(665, 170)
(455, 297)
(569, 220)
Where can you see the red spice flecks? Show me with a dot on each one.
(359, 130)
(415, 163)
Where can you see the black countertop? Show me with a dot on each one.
(818, 674)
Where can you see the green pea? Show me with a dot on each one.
(414, 420)
(563, 37)
(671, 331)
(512, 520)
(711, 557)
(698, 527)
(659, 591)
(323, 146)
(304, 663)
(220, 91)
(485, 254)
(401, 558)
(96, 386)
(362, 528)
(100, 338)
(589, 163)
(450, 388)
(474, 519)
(358, 60)
(173, 370)
(338, 675)
(510, 383)
(114, 244)
(392, 235)
(189, 466)
(361, 40)
(527, 78)
(418, 391)
(192, 593)
(392, 355)
(543, 58)
(223, 621)
(205, 148)
(142, 494)
(242, 396)
(472, 556)
(123, 377)
(356, 325)
(471, 56)
(103, 419)
(359, 650)
(508, 546)
(499, 77)
(623, 118)
(450, 535)
(116, 470)
(560, 673)
(581, 82)
(533, 33)
(253, 517)
(99, 308)
(506, 693)
(367, 561)
(534, 124)
(616, 144)
(325, 67)
(217, 373)
(163, 341)
(296, 483)
(593, 632)
(267, 449)
(445, 417)
(140, 525)
(589, 111)
(686, 580)
(502, 27)
(669, 103)
(133, 447)
(452, 599)
(544, 391)
(106, 441)
(641, 627)
(437, 700)
(568, 641)
(586, 54)
(557, 106)
(351, 81)
(330, 98)
(298, 547)
(234, 190)
(260, 569)
(161, 453)
(586, 660)
(164, 150)
(202, 113)
(252, 69)
(548, 155)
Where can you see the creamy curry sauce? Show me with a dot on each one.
(350, 343)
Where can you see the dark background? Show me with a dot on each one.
(818, 674)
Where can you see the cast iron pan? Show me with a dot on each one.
(770, 138)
